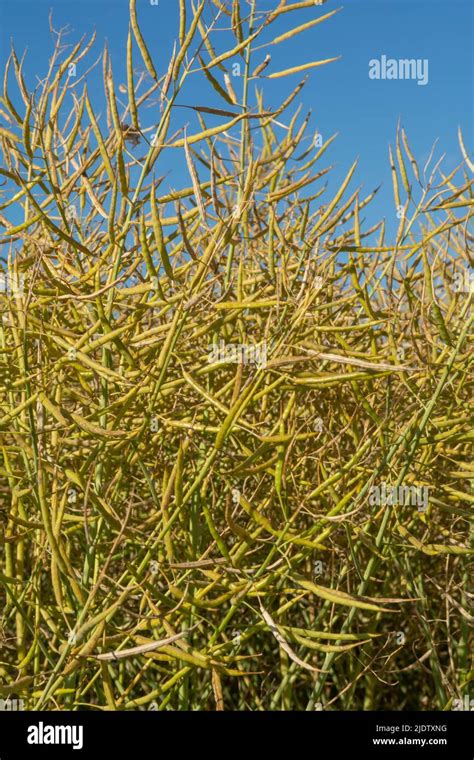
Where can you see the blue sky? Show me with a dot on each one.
(341, 96)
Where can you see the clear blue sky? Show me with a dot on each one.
(341, 96)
